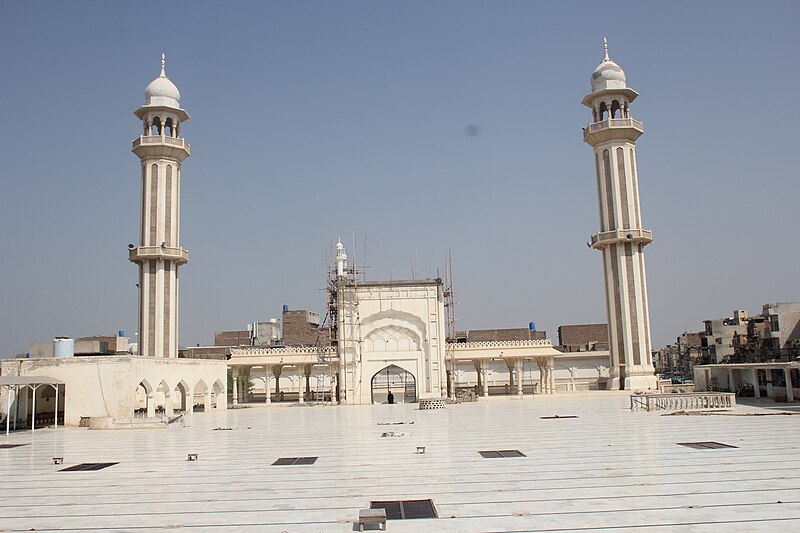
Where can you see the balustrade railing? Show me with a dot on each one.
(159, 139)
(683, 402)
(501, 344)
(613, 123)
(256, 351)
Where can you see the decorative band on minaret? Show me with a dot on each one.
(612, 134)
(161, 150)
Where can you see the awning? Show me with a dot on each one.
(33, 382)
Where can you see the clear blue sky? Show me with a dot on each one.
(315, 119)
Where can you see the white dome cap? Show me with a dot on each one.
(162, 91)
(608, 75)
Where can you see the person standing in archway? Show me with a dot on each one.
(390, 397)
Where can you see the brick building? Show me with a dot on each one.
(582, 337)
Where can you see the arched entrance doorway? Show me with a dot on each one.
(393, 378)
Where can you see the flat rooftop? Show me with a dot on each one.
(606, 469)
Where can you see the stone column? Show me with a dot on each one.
(276, 371)
(756, 386)
(477, 364)
(168, 404)
(151, 405)
(787, 372)
(207, 400)
(551, 373)
(519, 367)
(307, 370)
(300, 392)
(572, 371)
(235, 382)
(731, 388)
(484, 377)
(511, 364)
(268, 383)
(770, 393)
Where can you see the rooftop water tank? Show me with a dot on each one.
(532, 326)
(63, 347)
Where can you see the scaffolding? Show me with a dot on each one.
(450, 325)
(342, 295)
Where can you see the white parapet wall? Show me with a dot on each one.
(124, 386)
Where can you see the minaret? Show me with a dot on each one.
(161, 150)
(612, 134)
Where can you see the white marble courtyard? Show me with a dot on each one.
(607, 469)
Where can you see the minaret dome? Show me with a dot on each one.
(607, 75)
(161, 91)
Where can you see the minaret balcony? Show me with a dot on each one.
(161, 146)
(622, 236)
(164, 253)
(613, 129)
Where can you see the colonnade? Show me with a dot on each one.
(751, 372)
(240, 375)
(515, 365)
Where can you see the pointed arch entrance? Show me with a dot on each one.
(399, 381)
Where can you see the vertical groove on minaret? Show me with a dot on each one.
(631, 286)
(153, 206)
(623, 189)
(144, 205)
(168, 208)
(617, 303)
(599, 188)
(151, 325)
(142, 339)
(609, 191)
(646, 313)
(609, 303)
(167, 306)
(636, 211)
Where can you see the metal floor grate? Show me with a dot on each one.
(7, 446)
(554, 417)
(705, 445)
(84, 467)
(287, 461)
(406, 509)
(501, 454)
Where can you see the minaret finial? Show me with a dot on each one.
(163, 64)
(605, 49)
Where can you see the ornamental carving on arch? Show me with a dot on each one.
(392, 338)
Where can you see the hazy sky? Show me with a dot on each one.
(420, 125)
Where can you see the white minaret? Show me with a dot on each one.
(341, 260)
(161, 150)
(612, 134)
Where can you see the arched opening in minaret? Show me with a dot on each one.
(625, 112)
(156, 127)
(615, 109)
(602, 111)
(168, 128)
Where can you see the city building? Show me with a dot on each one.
(717, 343)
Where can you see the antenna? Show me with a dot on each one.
(364, 258)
